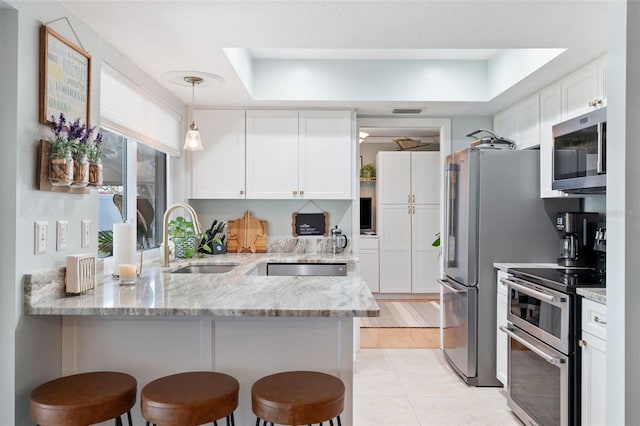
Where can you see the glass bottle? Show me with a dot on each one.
(95, 172)
(80, 171)
(61, 168)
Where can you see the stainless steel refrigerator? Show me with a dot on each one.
(493, 213)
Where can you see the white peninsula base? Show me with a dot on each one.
(247, 348)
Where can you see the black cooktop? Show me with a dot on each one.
(561, 279)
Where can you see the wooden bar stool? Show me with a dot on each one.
(83, 399)
(190, 399)
(297, 398)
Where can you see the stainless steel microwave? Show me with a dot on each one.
(579, 153)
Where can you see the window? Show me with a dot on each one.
(134, 188)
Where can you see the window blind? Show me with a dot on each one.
(128, 108)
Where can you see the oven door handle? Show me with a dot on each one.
(532, 292)
(551, 359)
(448, 287)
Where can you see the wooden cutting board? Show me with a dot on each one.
(247, 234)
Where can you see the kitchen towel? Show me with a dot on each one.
(404, 314)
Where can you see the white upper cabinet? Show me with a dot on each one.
(528, 122)
(520, 122)
(294, 155)
(325, 165)
(584, 89)
(426, 173)
(394, 177)
(218, 170)
(504, 124)
(272, 154)
(550, 114)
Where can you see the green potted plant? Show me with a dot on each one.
(184, 237)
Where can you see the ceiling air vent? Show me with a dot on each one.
(407, 110)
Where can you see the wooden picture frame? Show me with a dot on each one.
(65, 78)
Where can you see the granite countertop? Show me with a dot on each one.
(596, 294)
(504, 266)
(242, 292)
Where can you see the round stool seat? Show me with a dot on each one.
(82, 399)
(297, 397)
(191, 398)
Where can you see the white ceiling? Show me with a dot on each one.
(166, 36)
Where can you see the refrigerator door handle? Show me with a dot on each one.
(443, 283)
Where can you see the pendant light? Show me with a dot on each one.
(192, 141)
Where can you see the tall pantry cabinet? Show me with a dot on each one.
(408, 206)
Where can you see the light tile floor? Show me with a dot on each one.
(416, 387)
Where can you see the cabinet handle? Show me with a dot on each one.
(409, 198)
(414, 210)
(413, 198)
(241, 192)
(600, 101)
(592, 103)
(301, 193)
(599, 321)
(295, 193)
(409, 211)
(582, 343)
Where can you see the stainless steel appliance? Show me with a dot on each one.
(493, 213)
(579, 153)
(544, 358)
(578, 230)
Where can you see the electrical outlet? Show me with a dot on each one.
(61, 235)
(85, 233)
(40, 237)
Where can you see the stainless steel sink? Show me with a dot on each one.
(204, 269)
(307, 269)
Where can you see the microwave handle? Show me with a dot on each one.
(599, 164)
(547, 357)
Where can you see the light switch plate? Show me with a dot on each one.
(40, 237)
(85, 232)
(62, 227)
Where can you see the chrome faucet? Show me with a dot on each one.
(165, 228)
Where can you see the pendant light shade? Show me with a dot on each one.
(192, 141)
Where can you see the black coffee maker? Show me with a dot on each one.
(578, 230)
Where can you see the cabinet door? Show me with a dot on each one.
(425, 262)
(369, 271)
(550, 114)
(325, 161)
(578, 89)
(426, 172)
(594, 361)
(272, 154)
(504, 124)
(395, 248)
(502, 349)
(393, 177)
(218, 170)
(528, 122)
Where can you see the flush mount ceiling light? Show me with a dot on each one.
(192, 141)
(363, 136)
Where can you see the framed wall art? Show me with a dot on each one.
(65, 78)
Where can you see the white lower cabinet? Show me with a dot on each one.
(502, 348)
(594, 362)
(368, 260)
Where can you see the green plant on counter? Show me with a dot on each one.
(186, 240)
(105, 243)
(368, 171)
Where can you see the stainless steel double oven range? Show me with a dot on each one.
(543, 330)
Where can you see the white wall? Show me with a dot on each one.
(623, 213)
(35, 341)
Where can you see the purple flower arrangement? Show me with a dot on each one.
(75, 138)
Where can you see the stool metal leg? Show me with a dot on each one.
(215, 423)
(118, 421)
(233, 420)
(129, 418)
(339, 422)
(257, 421)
